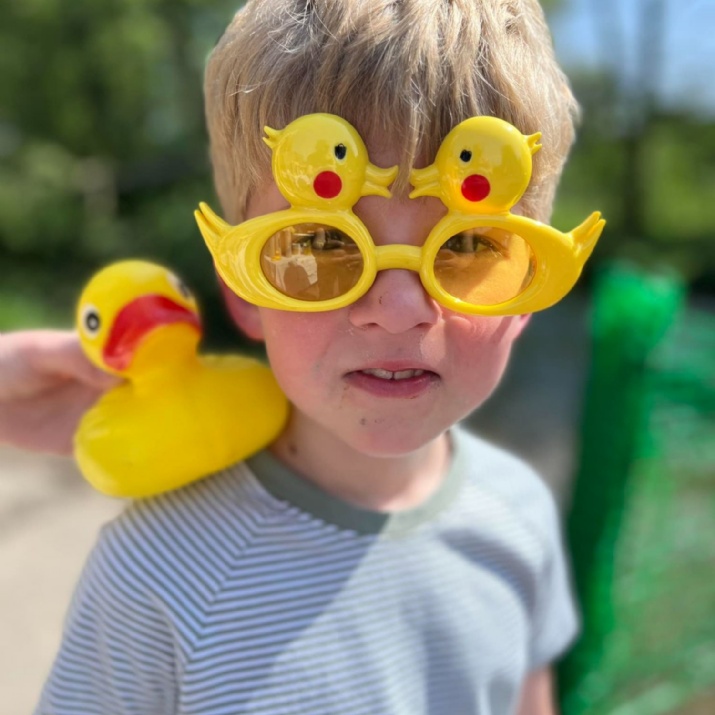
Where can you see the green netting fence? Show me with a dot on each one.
(641, 528)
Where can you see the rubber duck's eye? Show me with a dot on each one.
(341, 151)
(91, 322)
(181, 287)
(466, 155)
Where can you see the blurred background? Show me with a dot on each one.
(103, 156)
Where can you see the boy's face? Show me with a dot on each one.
(334, 366)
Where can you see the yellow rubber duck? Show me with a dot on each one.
(481, 170)
(321, 167)
(178, 416)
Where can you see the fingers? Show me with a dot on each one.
(36, 360)
(47, 423)
(60, 352)
(46, 385)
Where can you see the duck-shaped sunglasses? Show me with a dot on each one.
(479, 258)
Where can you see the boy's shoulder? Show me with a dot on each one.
(507, 482)
(231, 505)
(499, 469)
(197, 531)
(202, 530)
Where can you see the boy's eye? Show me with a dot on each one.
(466, 156)
(341, 151)
(472, 242)
(308, 239)
(324, 238)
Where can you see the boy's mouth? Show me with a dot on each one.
(406, 383)
(390, 375)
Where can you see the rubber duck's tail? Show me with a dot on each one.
(587, 234)
(212, 227)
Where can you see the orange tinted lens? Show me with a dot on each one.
(484, 266)
(311, 262)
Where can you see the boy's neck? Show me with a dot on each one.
(384, 484)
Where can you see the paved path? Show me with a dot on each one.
(49, 517)
(48, 521)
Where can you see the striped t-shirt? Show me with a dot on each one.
(254, 591)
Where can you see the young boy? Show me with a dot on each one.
(376, 559)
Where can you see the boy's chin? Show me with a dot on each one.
(383, 440)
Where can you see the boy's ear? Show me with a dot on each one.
(244, 314)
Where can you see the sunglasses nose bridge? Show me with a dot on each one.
(398, 256)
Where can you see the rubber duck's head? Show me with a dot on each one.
(482, 166)
(320, 161)
(135, 316)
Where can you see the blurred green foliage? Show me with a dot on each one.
(103, 147)
(103, 156)
(642, 510)
(653, 184)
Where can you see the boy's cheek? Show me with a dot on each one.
(521, 322)
(244, 315)
(475, 330)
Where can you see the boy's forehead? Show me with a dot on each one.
(388, 149)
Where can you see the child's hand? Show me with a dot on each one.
(46, 385)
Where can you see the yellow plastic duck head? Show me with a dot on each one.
(320, 161)
(134, 317)
(482, 166)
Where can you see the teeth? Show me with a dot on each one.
(404, 374)
(387, 375)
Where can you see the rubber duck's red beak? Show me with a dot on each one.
(138, 318)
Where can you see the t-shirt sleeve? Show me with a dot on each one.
(555, 621)
(116, 654)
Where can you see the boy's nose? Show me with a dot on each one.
(395, 302)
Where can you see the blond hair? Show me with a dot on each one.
(402, 70)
